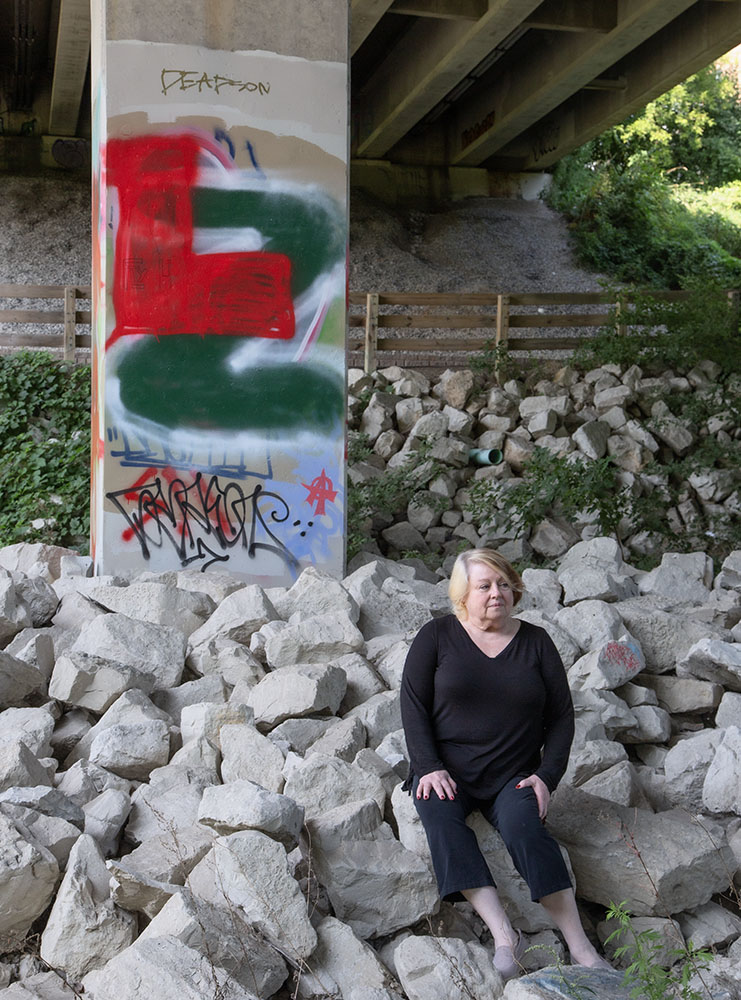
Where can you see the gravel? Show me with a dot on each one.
(477, 245)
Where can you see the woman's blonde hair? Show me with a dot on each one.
(459, 578)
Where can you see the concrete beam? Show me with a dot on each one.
(574, 15)
(701, 35)
(501, 108)
(431, 59)
(70, 66)
(364, 16)
(451, 10)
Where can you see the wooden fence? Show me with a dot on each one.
(505, 313)
(495, 314)
(64, 314)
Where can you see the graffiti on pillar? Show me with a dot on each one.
(219, 327)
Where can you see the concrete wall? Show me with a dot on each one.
(219, 256)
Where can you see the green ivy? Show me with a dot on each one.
(44, 450)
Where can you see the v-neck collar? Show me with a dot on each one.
(480, 650)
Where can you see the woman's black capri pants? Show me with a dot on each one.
(457, 858)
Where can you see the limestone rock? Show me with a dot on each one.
(105, 817)
(237, 617)
(664, 637)
(248, 755)
(343, 739)
(591, 623)
(362, 680)
(380, 716)
(249, 872)
(713, 660)
(446, 968)
(686, 765)
(164, 968)
(18, 680)
(132, 751)
(314, 640)
(607, 667)
(721, 790)
(157, 603)
(244, 805)
(594, 570)
(729, 710)
(228, 659)
(85, 929)
(685, 695)
(298, 690)
(146, 879)
(204, 720)
(605, 863)
(685, 577)
(94, 682)
(348, 963)
(157, 651)
(619, 784)
(18, 766)
(211, 689)
(322, 783)
(224, 935)
(28, 878)
(32, 725)
(375, 885)
(318, 593)
(57, 835)
(48, 801)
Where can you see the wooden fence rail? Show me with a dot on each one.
(496, 313)
(382, 312)
(69, 317)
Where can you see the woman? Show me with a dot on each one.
(489, 722)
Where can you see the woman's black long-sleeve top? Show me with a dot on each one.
(486, 719)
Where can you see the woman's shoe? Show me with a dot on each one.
(507, 959)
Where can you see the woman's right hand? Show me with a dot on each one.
(438, 782)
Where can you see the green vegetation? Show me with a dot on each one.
(646, 976)
(655, 200)
(44, 450)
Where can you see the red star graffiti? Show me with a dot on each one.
(320, 490)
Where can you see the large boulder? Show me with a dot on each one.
(85, 928)
(655, 862)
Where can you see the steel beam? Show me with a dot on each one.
(70, 66)
(701, 35)
(364, 16)
(431, 59)
(501, 108)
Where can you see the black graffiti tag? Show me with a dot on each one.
(202, 520)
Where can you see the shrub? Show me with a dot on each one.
(44, 450)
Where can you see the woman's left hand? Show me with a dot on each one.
(541, 793)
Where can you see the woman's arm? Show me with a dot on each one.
(417, 699)
(558, 716)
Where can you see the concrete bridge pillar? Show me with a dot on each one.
(219, 275)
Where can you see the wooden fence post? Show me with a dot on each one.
(621, 328)
(734, 308)
(70, 305)
(501, 336)
(371, 331)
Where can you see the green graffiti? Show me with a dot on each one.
(311, 230)
(185, 382)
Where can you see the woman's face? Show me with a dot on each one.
(490, 599)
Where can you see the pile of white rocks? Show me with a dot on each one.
(200, 780)
(609, 411)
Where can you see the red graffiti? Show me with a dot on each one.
(320, 490)
(160, 286)
(622, 656)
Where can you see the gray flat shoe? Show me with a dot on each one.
(507, 960)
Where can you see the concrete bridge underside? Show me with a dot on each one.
(458, 90)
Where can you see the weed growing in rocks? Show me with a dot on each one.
(550, 482)
(647, 977)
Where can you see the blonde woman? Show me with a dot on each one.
(489, 722)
